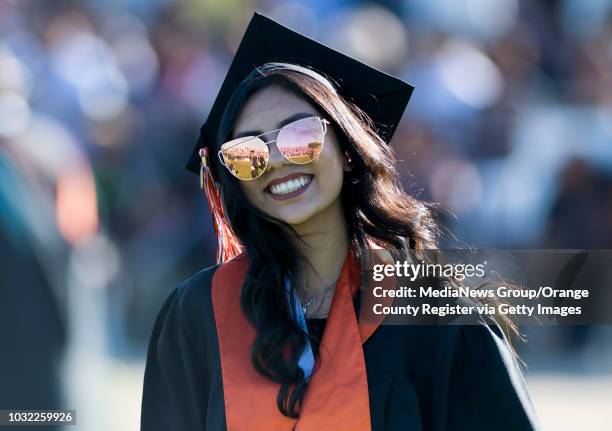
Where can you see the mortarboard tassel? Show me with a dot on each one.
(228, 245)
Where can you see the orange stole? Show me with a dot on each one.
(337, 396)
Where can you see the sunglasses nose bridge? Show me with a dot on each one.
(276, 157)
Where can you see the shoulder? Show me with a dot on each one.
(187, 309)
(195, 289)
(193, 296)
(480, 354)
(481, 339)
(192, 300)
(439, 347)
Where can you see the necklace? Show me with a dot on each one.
(309, 303)
(323, 295)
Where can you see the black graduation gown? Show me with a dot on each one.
(419, 377)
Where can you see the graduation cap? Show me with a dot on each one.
(381, 96)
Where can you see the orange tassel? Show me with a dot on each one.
(228, 244)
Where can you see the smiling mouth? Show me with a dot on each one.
(289, 187)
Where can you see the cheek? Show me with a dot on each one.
(253, 193)
(330, 172)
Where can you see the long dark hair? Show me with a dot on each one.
(375, 206)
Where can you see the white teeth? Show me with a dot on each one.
(290, 186)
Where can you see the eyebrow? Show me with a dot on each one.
(283, 123)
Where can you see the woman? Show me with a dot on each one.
(271, 337)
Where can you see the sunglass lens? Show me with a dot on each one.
(246, 158)
(301, 142)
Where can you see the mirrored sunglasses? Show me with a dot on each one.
(299, 142)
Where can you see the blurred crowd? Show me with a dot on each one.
(509, 130)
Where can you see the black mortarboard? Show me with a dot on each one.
(382, 96)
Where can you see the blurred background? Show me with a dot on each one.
(509, 128)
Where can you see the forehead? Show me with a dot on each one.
(266, 108)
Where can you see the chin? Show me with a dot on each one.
(294, 219)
